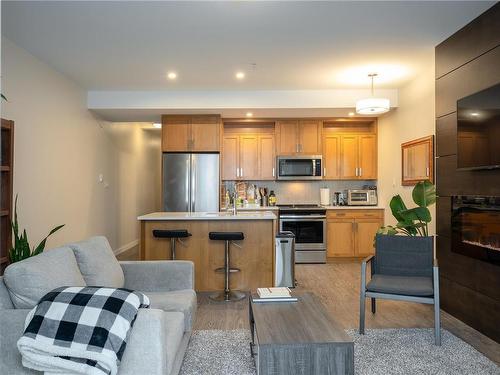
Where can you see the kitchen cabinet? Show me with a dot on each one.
(299, 137)
(331, 157)
(358, 157)
(248, 157)
(350, 232)
(181, 133)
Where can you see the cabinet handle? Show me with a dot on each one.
(241, 172)
(237, 172)
(324, 171)
(427, 172)
(297, 147)
(360, 172)
(356, 171)
(273, 171)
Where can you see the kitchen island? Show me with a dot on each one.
(254, 256)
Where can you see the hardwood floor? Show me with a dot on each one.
(337, 285)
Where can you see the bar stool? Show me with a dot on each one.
(227, 294)
(174, 235)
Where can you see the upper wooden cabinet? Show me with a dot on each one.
(331, 157)
(299, 137)
(190, 133)
(248, 157)
(358, 155)
(417, 159)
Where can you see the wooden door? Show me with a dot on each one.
(205, 133)
(266, 157)
(349, 157)
(176, 134)
(310, 137)
(331, 157)
(249, 157)
(365, 230)
(340, 238)
(367, 157)
(230, 157)
(288, 137)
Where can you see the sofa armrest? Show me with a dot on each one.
(147, 345)
(11, 329)
(158, 276)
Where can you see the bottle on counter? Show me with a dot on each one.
(272, 198)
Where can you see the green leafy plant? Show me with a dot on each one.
(3, 97)
(412, 221)
(21, 248)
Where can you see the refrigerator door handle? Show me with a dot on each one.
(193, 184)
(188, 184)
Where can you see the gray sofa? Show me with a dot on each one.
(160, 335)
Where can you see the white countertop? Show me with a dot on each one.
(354, 207)
(160, 216)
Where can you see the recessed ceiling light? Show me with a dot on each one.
(249, 114)
(240, 75)
(172, 75)
(351, 113)
(475, 114)
(156, 125)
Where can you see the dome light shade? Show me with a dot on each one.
(373, 106)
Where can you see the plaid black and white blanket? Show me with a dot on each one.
(80, 330)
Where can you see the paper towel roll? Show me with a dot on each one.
(324, 196)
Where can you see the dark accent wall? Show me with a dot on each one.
(466, 62)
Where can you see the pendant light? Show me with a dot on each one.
(372, 105)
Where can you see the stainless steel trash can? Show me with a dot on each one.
(284, 272)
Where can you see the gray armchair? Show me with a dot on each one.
(403, 268)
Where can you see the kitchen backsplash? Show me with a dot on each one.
(305, 191)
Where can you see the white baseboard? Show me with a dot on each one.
(126, 247)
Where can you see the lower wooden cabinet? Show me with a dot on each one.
(350, 233)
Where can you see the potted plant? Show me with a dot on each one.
(412, 221)
(21, 248)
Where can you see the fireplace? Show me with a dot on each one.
(475, 223)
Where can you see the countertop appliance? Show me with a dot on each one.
(284, 255)
(190, 182)
(308, 223)
(299, 167)
(362, 197)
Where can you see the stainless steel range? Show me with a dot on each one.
(308, 223)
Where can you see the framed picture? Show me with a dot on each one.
(417, 161)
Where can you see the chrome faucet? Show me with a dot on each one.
(234, 210)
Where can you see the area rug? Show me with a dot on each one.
(379, 352)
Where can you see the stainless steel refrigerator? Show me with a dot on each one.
(190, 182)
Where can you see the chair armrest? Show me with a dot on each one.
(367, 260)
(158, 276)
(147, 345)
(11, 329)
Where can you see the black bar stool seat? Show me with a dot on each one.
(226, 236)
(227, 294)
(173, 235)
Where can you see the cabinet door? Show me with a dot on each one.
(349, 157)
(249, 157)
(288, 137)
(205, 133)
(365, 230)
(266, 157)
(230, 157)
(331, 157)
(340, 238)
(367, 157)
(176, 134)
(310, 137)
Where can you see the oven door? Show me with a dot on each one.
(310, 233)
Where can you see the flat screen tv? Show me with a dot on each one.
(478, 130)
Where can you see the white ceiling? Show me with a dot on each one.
(295, 45)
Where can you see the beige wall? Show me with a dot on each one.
(60, 151)
(414, 118)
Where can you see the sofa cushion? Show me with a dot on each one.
(98, 263)
(180, 300)
(32, 278)
(403, 285)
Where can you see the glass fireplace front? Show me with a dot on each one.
(475, 223)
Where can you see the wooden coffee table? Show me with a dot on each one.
(298, 338)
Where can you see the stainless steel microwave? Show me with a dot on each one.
(299, 167)
(361, 197)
